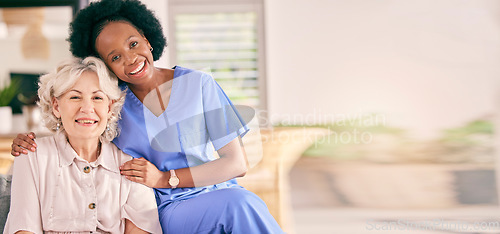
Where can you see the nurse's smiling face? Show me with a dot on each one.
(126, 52)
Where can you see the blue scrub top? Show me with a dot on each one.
(199, 119)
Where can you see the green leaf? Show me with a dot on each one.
(9, 92)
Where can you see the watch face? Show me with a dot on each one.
(173, 181)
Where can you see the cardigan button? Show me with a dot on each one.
(92, 206)
(86, 169)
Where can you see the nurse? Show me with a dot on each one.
(172, 121)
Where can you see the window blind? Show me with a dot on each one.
(225, 45)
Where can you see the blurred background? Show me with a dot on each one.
(374, 116)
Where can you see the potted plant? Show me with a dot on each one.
(7, 93)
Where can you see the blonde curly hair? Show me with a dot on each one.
(59, 81)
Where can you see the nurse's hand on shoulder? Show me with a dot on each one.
(142, 171)
(22, 143)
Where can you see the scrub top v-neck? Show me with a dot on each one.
(157, 101)
(198, 119)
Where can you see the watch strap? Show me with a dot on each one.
(173, 177)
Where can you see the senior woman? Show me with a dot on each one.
(72, 182)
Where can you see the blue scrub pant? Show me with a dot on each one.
(229, 210)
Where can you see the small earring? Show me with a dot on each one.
(58, 125)
(107, 128)
(151, 49)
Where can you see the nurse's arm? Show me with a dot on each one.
(131, 228)
(231, 163)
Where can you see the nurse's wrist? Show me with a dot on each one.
(163, 181)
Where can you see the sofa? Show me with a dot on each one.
(5, 182)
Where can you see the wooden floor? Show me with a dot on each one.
(319, 207)
(366, 221)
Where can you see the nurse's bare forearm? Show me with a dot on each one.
(131, 228)
(210, 173)
(232, 163)
(24, 232)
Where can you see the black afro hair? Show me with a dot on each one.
(82, 36)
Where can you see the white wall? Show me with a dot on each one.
(425, 64)
(160, 8)
(55, 29)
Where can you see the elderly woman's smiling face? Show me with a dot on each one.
(84, 109)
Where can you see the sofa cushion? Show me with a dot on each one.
(5, 181)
